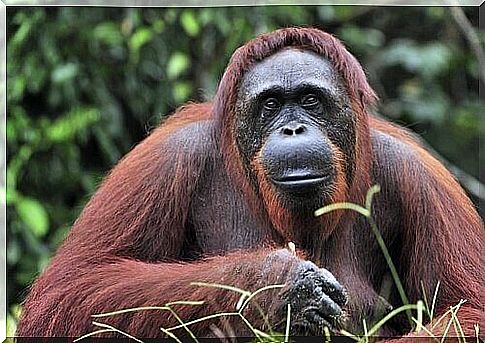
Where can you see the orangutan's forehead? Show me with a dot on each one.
(288, 69)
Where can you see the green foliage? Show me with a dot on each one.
(86, 84)
(177, 64)
(190, 23)
(34, 215)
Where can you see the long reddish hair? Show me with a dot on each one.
(361, 95)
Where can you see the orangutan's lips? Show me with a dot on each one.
(296, 180)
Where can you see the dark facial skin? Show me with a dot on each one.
(293, 112)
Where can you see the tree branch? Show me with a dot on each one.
(471, 36)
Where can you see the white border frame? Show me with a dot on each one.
(138, 3)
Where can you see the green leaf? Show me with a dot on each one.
(189, 23)
(16, 88)
(15, 166)
(11, 195)
(11, 325)
(139, 38)
(343, 13)
(429, 60)
(108, 33)
(326, 13)
(34, 215)
(362, 39)
(14, 252)
(182, 91)
(21, 35)
(158, 26)
(68, 126)
(178, 63)
(206, 15)
(64, 72)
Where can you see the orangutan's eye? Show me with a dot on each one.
(310, 101)
(271, 104)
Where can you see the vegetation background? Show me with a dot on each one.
(86, 84)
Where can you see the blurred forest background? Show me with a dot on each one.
(86, 84)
